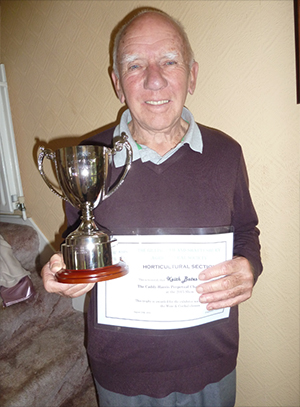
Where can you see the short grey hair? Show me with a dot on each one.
(176, 23)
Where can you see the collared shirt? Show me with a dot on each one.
(192, 137)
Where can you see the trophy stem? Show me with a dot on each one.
(88, 226)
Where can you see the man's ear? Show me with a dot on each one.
(193, 77)
(118, 87)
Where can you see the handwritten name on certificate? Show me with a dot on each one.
(159, 292)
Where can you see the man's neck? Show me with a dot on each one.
(161, 142)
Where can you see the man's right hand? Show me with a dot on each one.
(51, 284)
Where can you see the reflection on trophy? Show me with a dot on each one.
(83, 173)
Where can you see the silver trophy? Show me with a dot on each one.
(83, 173)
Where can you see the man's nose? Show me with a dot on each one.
(154, 78)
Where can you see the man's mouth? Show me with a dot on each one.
(157, 102)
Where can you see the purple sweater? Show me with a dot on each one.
(189, 190)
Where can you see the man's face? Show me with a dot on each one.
(154, 73)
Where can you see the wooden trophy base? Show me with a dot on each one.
(92, 276)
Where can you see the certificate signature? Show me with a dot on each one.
(159, 292)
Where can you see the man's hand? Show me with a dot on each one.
(51, 284)
(233, 288)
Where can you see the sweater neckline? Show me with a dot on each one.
(159, 169)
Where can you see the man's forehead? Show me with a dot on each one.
(151, 35)
(148, 26)
(164, 41)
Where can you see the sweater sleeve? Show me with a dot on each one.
(246, 233)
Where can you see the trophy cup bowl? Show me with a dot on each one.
(83, 174)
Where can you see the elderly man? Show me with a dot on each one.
(183, 175)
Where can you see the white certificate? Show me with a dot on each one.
(159, 292)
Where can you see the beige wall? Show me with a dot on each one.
(56, 58)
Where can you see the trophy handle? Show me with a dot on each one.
(118, 147)
(50, 155)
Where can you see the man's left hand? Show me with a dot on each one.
(234, 287)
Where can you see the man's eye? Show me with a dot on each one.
(170, 63)
(133, 67)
